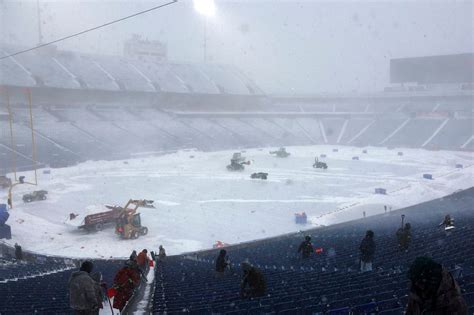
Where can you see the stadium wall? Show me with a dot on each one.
(71, 97)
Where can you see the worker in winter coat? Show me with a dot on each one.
(18, 252)
(161, 253)
(222, 262)
(142, 261)
(97, 277)
(125, 282)
(306, 248)
(433, 290)
(404, 236)
(82, 291)
(367, 251)
(253, 282)
(447, 222)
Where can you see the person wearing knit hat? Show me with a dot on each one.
(433, 290)
(82, 293)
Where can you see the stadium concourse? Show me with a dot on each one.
(329, 282)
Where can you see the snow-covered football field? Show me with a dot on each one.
(199, 202)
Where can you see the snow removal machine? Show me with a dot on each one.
(318, 164)
(281, 152)
(97, 218)
(259, 175)
(35, 196)
(129, 225)
(237, 162)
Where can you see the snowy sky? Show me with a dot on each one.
(286, 46)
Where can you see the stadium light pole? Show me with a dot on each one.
(206, 8)
(40, 33)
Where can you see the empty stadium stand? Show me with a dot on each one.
(68, 135)
(329, 282)
(71, 70)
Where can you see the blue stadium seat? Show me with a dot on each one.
(369, 308)
(395, 311)
(340, 311)
(45, 290)
(388, 304)
(312, 286)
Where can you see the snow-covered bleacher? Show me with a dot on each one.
(377, 132)
(76, 71)
(226, 81)
(125, 76)
(161, 76)
(414, 133)
(219, 137)
(39, 71)
(354, 128)
(292, 127)
(196, 81)
(266, 126)
(15, 74)
(332, 128)
(454, 134)
(85, 71)
(246, 133)
(312, 128)
(329, 282)
(67, 135)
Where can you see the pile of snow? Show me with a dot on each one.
(78, 217)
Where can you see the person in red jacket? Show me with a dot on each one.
(125, 282)
(142, 261)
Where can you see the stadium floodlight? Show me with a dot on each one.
(205, 7)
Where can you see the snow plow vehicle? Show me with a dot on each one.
(259, 175)
(95, 221)
(35, 196)
(129, 225)
(318, 164)
(281, 152)
(236, 166)
(96, 218)
(5, 182)
(237, 162)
